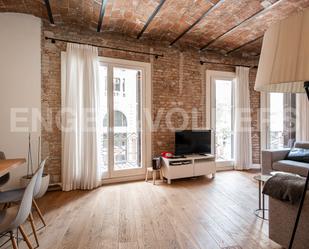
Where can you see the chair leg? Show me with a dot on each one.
(39, 212)
(4, 206)
(33, 229)
(13, 240)
(25, 237)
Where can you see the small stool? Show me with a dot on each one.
(154, 174)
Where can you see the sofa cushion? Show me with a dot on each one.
(299, 155)
(294, 167)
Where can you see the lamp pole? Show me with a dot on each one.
(306, 86)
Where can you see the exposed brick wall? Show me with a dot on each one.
(51, 104)
(255, 118)
(178, 81)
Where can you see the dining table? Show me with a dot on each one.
(7, 165)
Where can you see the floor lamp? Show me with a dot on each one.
(284, 67)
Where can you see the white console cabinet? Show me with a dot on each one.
(188, 166)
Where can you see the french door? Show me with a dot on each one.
(123, 145)
(220, 115)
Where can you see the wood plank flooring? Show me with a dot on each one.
(193, 213)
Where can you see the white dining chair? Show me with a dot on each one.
(13, 218)
(15, 195)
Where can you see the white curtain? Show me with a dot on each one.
(302, 117)
(80, 133)
(242, 126)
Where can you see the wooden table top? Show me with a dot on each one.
(8, 164)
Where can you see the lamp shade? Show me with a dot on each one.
(284, 60)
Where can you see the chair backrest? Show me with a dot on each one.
(2, 155)
(38, 182)
(26, 203)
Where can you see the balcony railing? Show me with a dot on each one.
(224, 143)
(276, 139)
(126, 151)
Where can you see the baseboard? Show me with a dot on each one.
(123, 179)
(255, 166)
(54, 187)
(225, 168)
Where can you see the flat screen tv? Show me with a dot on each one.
(192, 142)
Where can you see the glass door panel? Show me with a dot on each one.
(281, 120)
(127, 106)
(275, 135)
(223, 119)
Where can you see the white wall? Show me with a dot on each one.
(20, 85)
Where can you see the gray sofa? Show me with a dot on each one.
(281, 222)
(274, 160)
(282, 214)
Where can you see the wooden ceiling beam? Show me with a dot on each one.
(262, 11)
(101, 16)
(49, 12)
(196, 22)
(243, 45)
(155, 12)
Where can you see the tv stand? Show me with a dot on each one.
(188, 166)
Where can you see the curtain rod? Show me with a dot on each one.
(53, 39)
(227, 64)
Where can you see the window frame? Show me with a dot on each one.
(146, 98)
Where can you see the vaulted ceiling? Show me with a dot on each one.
(227, 26)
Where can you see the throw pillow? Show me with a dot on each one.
(299, 155)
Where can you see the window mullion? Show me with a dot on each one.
(110, 106)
